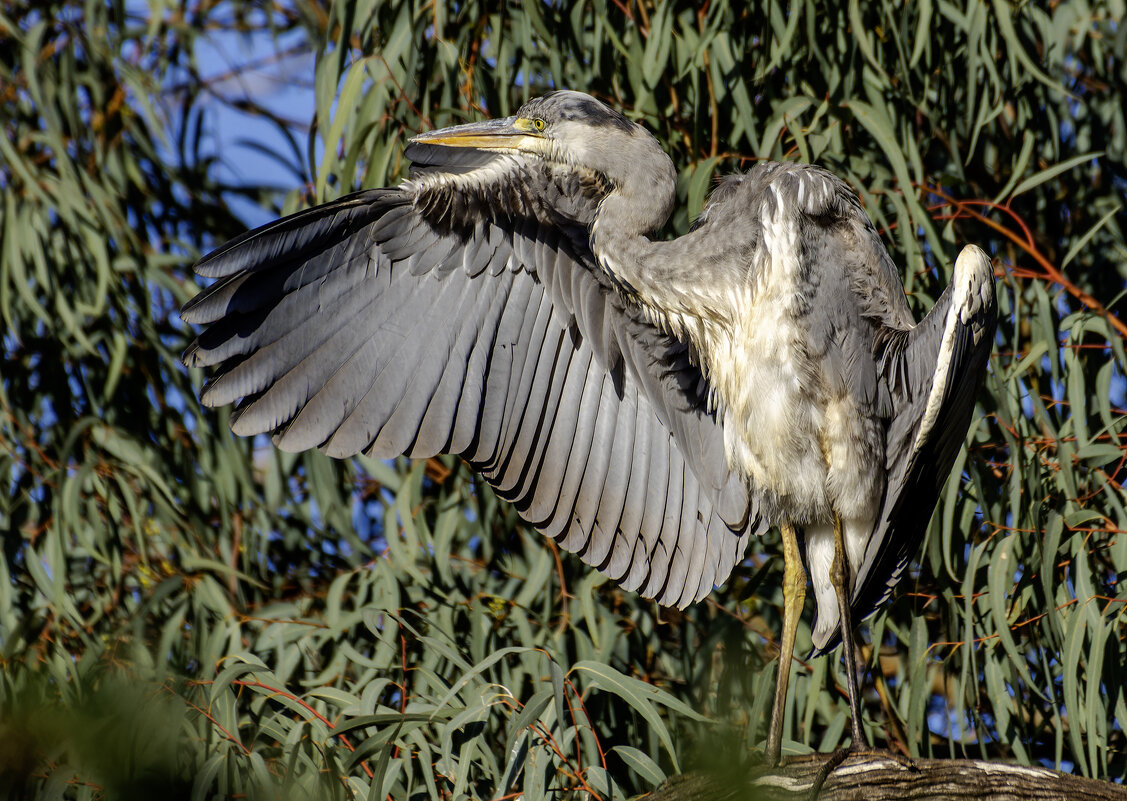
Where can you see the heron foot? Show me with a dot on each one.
(836, 758)
(852, 750)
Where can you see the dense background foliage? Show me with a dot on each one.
(189, 614)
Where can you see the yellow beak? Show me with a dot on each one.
(510, 133)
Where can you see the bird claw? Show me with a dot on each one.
(855, 750)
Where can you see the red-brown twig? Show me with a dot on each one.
(1049, 271)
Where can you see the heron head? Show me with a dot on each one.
(572, 130)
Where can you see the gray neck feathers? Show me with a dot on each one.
(639, 203)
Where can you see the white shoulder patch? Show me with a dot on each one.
(972, 270)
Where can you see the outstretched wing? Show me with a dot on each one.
(460, 313)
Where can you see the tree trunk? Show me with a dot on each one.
(881, 777)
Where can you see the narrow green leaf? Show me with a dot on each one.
(924, 31)
(641, 696)
(1083, 241)
(528, 716)
(1076, 630)
(476, 671)
(1003, 10)
(345, 103)
(1049, 173)
(1000, 578)
(1028, 140)
(640, 763)
(861, 37)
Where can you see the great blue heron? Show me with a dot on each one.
(648, 404)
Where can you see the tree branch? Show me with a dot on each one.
(878, 777)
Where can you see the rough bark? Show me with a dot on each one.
(879, 777)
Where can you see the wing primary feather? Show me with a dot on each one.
(653, 517)
(275, 341)
(528, 428)
(335, 399)
(461, 382)
(438, 347)
(295, 379)
(613, 484)
(586, 465)
(569, 442)
(376, 382)
(535, 397)
(628, 556)
(693, 536)
(675, 537)
(522, 331)
(307, 232)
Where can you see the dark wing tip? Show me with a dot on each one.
(190, 356)
(304, 231)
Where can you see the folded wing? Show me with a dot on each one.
(933, 372)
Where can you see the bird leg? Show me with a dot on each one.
(794, 594)
(839, 575)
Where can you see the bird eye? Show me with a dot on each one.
(538, 124)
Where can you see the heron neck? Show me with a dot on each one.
(619, 233)
(639, 204)
(663, 277)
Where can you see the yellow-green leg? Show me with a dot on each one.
(794, 594)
